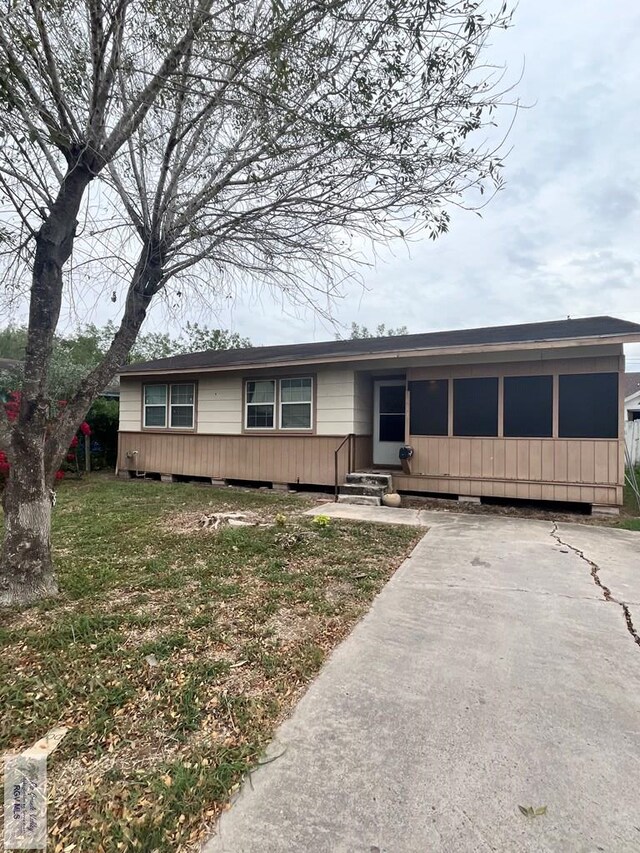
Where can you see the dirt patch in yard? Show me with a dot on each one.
(211, 522)
(547, 512)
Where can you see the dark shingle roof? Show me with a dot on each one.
(631, 383)
(557, 330)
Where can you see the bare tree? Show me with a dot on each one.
(207, 142)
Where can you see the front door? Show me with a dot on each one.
(389, 396)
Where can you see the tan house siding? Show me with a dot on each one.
(130, 405)
(220, 405)
(591, 364)
(273, 458)
(363, 405)
(334, 401)
(534, 469)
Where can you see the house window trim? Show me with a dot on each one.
(245, 422)
(277, 429)
(168, 405)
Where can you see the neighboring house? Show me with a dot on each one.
(631, 396)
(530, 411)
(112, 390)
(632, 417)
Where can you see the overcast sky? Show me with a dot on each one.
(560, 239)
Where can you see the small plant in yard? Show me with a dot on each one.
(172, 657)
(321, 521)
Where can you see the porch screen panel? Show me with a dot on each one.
(528, 406)
(429, 407)
(589, 405)
(475, 406)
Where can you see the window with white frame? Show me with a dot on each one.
(169, 406)
(285, 404)
(155, 406)
(182, 405)
(296, 397)
(260, 404)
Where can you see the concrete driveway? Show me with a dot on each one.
(492, 672)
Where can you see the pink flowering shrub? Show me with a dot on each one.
(12, 408)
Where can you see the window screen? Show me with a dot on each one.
(528, 406)
(588, 405)
(429, 407)
(475, 406)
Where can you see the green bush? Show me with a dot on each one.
(103, 418)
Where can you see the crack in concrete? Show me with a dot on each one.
(606, 592)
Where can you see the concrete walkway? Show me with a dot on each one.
(491, 672)
(375, 514)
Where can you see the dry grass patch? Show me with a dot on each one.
(172, 657)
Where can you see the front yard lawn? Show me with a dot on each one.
(173, 652)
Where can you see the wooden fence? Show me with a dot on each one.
(632, 441)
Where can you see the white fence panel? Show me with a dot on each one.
(632, 440)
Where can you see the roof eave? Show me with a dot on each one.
(471, 349)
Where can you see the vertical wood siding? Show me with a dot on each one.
(280, 459)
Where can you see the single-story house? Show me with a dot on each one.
(531, 411)
(632, 396)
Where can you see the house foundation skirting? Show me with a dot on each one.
(310, 460)
(589, 493)
(283, 459)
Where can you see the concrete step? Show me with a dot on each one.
(360, 500)
(360, 489)
(367, 479)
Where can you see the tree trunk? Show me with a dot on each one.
(26, 567)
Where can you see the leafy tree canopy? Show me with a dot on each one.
(74, 356)
(380, 331)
